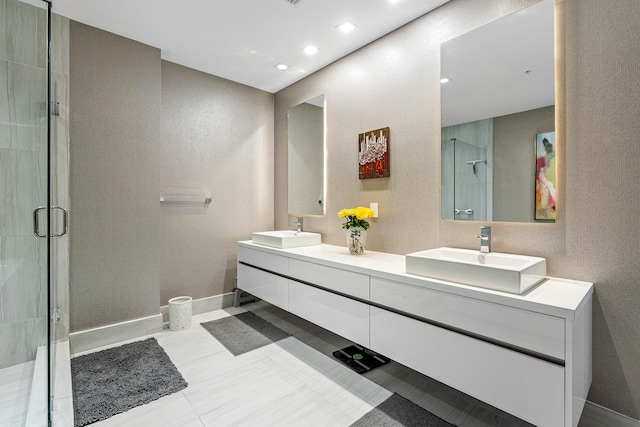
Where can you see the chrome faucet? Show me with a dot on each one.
(298, 223)
(485, 239)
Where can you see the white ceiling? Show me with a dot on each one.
(242, 40)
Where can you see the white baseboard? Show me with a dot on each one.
(605, 416)
(110, 334)
(203, 305)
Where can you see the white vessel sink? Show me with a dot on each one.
(500, 272)
(284, 239)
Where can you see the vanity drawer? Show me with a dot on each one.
(269, 287)
(343, 316)
(524, 386)
(346, 282)
(535, 332)
(275, 263)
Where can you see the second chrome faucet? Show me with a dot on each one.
(485, 239)
(298, 223)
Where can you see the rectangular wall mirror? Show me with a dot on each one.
(499, 98)
(305, 143)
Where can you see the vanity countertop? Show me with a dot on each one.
(557, 297)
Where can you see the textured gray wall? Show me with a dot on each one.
(217, 135)
(514, 162)
(141, 126)
(115, 169)
(395, 82)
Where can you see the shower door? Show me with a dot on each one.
(24, 213)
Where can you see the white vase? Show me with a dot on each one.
(356, 238)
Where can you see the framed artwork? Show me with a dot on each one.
(545, 179)
(373, 154)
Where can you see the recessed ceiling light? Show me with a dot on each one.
(347, 27)
(310, 50)
(394, 1)
(280, 66)
(445, 80)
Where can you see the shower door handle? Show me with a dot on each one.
(65, 227)
(36, 223)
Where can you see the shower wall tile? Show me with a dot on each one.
(60, 123)
(23, 171)
(59, 44)
(60, 246)
(23, 293)
(60, 182)
(23, 94)
(25, 337)
(6, 88)
(21, 33)
(3, 29)
(41, 44)
(22, 189)
(20, 137)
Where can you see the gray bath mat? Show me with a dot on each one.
(117, 379)
(397, 411)
(244, 332)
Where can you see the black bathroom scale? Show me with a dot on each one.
(360, 359)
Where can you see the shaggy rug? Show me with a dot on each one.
(244, 332)
(397, 411)
(117, 379)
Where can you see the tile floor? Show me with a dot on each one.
(294, 382)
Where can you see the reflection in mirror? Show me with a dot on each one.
(305, 130)
(500, 94)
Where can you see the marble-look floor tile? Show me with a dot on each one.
(193, 423)
(293, 382)
(173, 410)
(247, 380)
(188, 345)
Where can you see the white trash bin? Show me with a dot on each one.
(179, 313)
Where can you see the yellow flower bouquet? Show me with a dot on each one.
(356, 217)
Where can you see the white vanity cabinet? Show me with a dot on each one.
(524, 330)
(529, 355)
(343, 316)
(258, 276)
(530, 388)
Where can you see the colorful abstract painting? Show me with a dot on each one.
(545, 176)
(373, 154)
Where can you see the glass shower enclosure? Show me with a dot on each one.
(466, 181)
(32, 224)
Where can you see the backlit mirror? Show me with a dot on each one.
(497, 109)
(305, 134)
